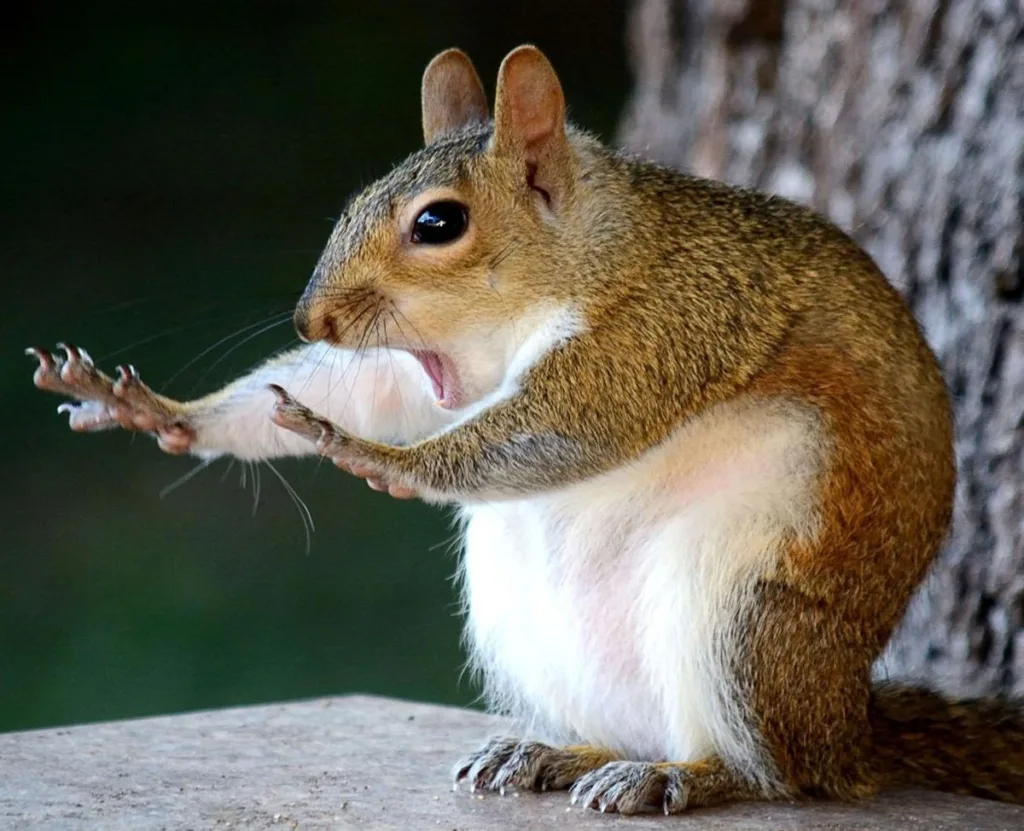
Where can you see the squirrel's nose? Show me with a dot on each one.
(310, 325)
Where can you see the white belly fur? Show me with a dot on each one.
(598, 613)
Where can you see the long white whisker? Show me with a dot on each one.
(181, 480)
(256, 487)
(228, 469)
(280, 317)
(307, 517)
(163, 333)
(241, 343)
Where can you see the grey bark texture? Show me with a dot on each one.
(904, 123)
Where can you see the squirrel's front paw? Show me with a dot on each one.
(331, 441)
(102, 403)
(510, 763)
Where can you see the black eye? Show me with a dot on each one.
(440, 222)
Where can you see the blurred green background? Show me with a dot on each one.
(168, 181)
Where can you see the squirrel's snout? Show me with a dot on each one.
(313, 322)
(310, 327)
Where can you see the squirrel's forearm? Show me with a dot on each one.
(571, 419)
(482, 458)
(380, 395)
(532, 441)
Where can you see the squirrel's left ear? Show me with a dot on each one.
(529, 118)
(452, 95)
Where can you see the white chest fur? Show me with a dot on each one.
(600, 612)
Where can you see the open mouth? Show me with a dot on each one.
(442, 377)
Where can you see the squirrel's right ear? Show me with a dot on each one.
(452, 95)
(529, 118)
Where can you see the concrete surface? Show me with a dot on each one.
(353, 762)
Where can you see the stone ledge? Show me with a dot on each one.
(351, 762)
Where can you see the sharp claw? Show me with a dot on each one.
(279, 391)
(44, 357)
(66, 407)
(127, 373)
(71, 351)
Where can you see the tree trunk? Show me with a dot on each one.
(904, 123)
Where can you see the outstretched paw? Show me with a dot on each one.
(506, 762)
(632, 787)
(102, 403)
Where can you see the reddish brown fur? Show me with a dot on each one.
(692, 293)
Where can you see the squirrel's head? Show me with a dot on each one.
(457, 255)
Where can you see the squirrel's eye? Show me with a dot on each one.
(440, 222)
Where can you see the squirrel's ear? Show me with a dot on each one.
(529, 115)
(452, 95)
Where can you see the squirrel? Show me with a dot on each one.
(700, 448)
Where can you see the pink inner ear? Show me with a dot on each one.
(536, 108)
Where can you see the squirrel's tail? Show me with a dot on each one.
(971, 747)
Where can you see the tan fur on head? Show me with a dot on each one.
(465, 299)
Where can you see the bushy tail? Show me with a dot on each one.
(971, 747)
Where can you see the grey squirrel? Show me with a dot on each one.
(702, 453)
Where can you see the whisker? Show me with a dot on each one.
(360, 350)
(409, 422)
(181, 480)
(504, 253)
(307, 517)
(228, 469)
(173, 330)
(257, 489)
(236, 346)
(223, 340)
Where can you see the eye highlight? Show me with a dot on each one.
(440, 222)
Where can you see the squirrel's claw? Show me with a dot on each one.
(288, 413)
(48, 374)
(508, 763)
(330, 441)
(81, 377)
(632, 787)
(75, 376)
(102, 403)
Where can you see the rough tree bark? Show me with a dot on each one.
(903, 122)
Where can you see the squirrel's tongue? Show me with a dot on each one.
(431, 363)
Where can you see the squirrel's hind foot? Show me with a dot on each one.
(634, 787)
(508, 763)
(671, 787)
